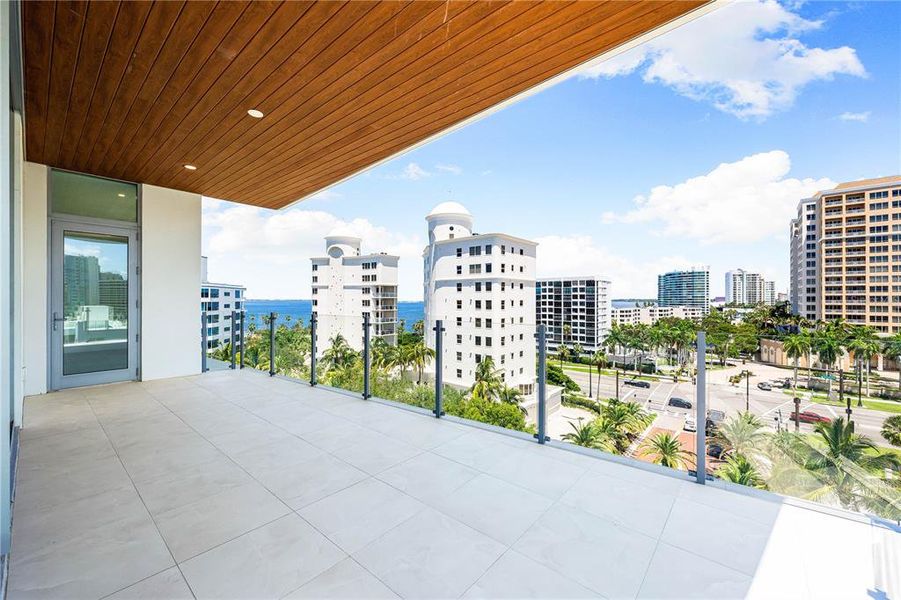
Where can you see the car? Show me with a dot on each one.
(765, 386)
(714, 418)
(690, 425)
(810, 417)
(679, 403)
(715, 450)
(638, 383)
(785, 384)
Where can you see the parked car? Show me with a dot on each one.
(714, 418)
(809, 417)
(638, 383)
(765, 386)
(714, 450)
(679, 403)
(690, 425)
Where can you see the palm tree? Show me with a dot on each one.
(616, 340)
(842, 463)
(339, 354)
(797, 345)
(891, 430)
(664, 449)
(420, 355)
(510, 395)
(743, 435)
(624, 421)
(562, 353)
(828, 346)
(865, 344)
(588, 435)
(891, 348)
(384, 355)
(739, 469)
(578, 351)
(488, 383)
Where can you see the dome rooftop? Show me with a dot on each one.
(342, 231)
(449, 208)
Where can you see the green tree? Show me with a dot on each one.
(339, 354)
(891, 348)
(797, 345)
(891, 430)
(864, 343)
(589, 435)
(664, 449)
(744, 434)
(828, 346)
(420, 356)
(488, 382)
(738, 469)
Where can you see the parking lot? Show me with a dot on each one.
(773, 406)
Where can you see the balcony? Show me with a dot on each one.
(236, 484)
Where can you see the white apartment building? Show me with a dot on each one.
(803, 260)
(648, 315)
(218, 300)
(576, 310)
(744, 287)
(347, 285)
(482, 286)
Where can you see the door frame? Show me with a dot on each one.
(131, 231)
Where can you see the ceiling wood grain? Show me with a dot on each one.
(136, 90)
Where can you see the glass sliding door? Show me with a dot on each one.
(94, 304)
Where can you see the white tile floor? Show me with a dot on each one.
(232, 484)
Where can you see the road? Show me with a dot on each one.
(774, 406)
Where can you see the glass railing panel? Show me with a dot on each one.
(339, 351)
(403, 364)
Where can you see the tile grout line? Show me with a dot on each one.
(144, 504)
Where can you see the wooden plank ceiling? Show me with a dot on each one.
(136, 90)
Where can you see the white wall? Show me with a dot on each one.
(170, 282)
(34, 279)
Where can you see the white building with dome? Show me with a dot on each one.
(482, 286)
(346, 285)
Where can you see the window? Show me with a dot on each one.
(459, 356)
(459, 269)
(487, 248)
(475, 250)
(487, 286)
(487, 267)
(96, 197)
(459, 286)
(478, 286)
(459, 305)
(459, 338)
(459, 321)
(488, 304)
(459, 251)
(459, 373)
(475, 269)
(478, 340)
(478, 304)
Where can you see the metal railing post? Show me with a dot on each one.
(242, 339)
(272, 317)
(542, 384)
(367, 356)
(701, 408)
(231, 331)
(439, 368)
(203, 342)
(313, 322)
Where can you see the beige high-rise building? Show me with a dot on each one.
(859, 253)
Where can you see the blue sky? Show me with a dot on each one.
(691, 150)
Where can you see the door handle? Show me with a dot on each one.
(57, 319)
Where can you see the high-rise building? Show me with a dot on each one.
(576, 310)
(685, 288)
(859, 253)
(218, 300)
(743, 287)
(803, 260)
(482, 286)
(347, 285)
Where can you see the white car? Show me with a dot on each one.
(690, 425)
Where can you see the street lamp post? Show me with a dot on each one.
(797, 414)
(590, 365)
(859, 383)
(747, 390)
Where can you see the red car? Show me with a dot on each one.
(810, 417)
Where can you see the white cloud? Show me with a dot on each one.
(740, 202)
(860, 117)
(270, 251)
(414, 172)
(572, 255)
(452, 169)
(744, 58)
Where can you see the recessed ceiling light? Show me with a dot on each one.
(121, 195)
(256, 114)
(191, 167)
